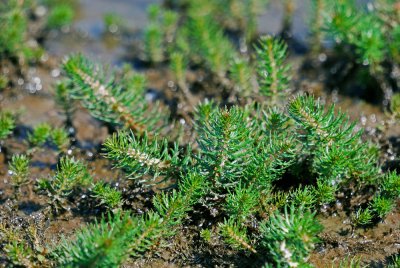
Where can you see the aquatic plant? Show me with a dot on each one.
(272, 70)
(112, 22)
(108, 196)
(40, 134)
(108, 101)
(19, 168)
(370, 35)
(290, 236)
(7, 124)
(60, 16)
(70, 175)
(13, 21)
(256, 164)
(241, 154)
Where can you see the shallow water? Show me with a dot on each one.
(90, 37)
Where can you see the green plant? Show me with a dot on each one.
(102, 244)
(338, 152)
(395, 105)
(110, 197)
(7, 124)
(370, 35)
(388, 191)
(242, 75)
(362, 217)
(60, 16)
(395, 262)
(113, 22)
(70, 175)
(108, 101)
(154, 43)
(21, 246)
(39, 134)
(178, 67)
(59, 137)
(209, 45)
(350, 263)
(4, 81)
(241, 203)
(139, 156)
(242, 152)
(303, 197)
(273, 72)
(13, 21)
(206, 235)
(225, 147)
(317, 12)
(19, 167)
(325, 192)
(109, 242)
(382, 206)
(290, 236)
(235, 235)
(235, 15)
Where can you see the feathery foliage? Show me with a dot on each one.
(362, 217)
(102, 244)
(290, 236)
(60, 16)
(154, 43)
(208, 43)
(370, 33)
(242, 75)
(40, 134)
(140, 157)
(241, 203)
(14, 24)
(70, 175)
(272, 70)
(337, 150)
(108, 101)
(59, 137)
(7, 124)
(235, 235)
(224, 144)
(19, 167)
(178, 67)
(108, 196)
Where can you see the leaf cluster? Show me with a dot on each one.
(43, 133)
(109, 101)
(273, 72)
(13, 21)
(290, 236)
(108, 196)
(7, 124)
(19, 168)
(60, 16)
(71, 175)
(109, 242)
(335, 150)
(371, 32)
(382, 202)
(159, 32)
